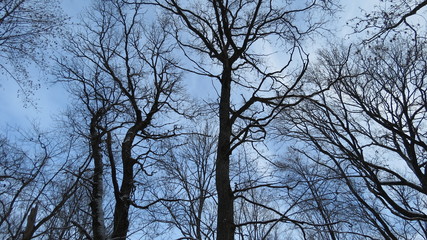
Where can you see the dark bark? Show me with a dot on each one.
(98, 226)
(225, 221)
(121, 211)
(133, 76)
(225, 31)
(30, 224)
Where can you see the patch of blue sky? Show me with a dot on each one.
(48, 101)
(51, 100)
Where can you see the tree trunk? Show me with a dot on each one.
(199, 215)
(121, 211)
(31, 220)
(225, 221)
(98, 226)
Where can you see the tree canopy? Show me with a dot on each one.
(308, 135)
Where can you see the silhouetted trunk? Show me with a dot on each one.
(225, 221)
(31, 220)
(121, 211)
(96, 205)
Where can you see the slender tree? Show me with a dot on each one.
(228, 36)
(187, 183)
(121, 70)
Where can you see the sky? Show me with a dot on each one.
(50, 100)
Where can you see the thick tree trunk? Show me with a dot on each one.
(98, 226)
(225, 222)
(121, 211)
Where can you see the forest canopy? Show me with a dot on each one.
(237, 119)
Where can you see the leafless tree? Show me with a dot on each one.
(254, 202)
(324, 201)
(121, 70)
(228, 37)
(370, 128)
(33, 187)
(187, 183)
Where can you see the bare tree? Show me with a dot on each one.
(122, 72)
(259, 209)
(325, 200)
(227, 36)
(33, 187)
(187, 184)
(371, 127)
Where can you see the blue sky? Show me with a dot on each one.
(51, 100)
